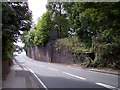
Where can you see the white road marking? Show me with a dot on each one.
(14, 62)
(74, 76)
(107, 86)
(53, 69)
(37, 78)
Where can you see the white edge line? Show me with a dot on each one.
(37, 77)
(14, 62)
(74, 76)
(53, 69)
(105, 85)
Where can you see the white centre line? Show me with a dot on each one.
(53, 69)
(107, 86)
(74, 76)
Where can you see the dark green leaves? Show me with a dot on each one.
(15, 17)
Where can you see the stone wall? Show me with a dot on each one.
(55, 52)
(51, 53)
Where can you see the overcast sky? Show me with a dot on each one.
(37, 7)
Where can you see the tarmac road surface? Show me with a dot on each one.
(62, 76)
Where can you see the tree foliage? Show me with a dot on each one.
(98, 25)
(16, 17)
(40, 34)
(58, 17)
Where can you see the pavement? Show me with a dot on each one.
(117, 72)
(20, 77)
(101, 70)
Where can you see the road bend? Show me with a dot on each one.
(62, 76)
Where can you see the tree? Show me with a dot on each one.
(98, 24)
(58, 17)
(16, 17)
(40, 34)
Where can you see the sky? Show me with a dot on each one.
(37, 7)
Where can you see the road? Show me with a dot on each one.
(63, 76)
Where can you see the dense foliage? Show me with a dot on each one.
(54, 18)
(74, 44)
(97, 25)
(16, 17)
(40, 34)
(58, 17)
